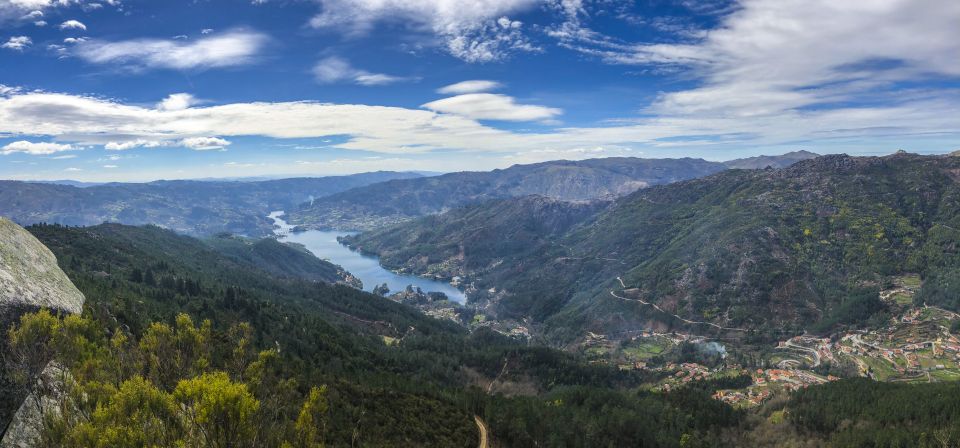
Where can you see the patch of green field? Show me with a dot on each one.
(903, 298)
(946, 374)
(597, 352)
(911, 281)
(881, 369)
(645, 350)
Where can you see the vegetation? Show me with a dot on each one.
(860, 412)
(181, 343)
(771, 251)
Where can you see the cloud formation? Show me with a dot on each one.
(177, 101)
(17, 43)
(475, 31)
(73, 25)
(83, 120)
(472, 86)
(335, 69)
(204, 143)
(39, 148)
(233, 48)
(773, 56)
(490, 106)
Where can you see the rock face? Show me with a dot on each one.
(29, 275)
(45, 400)
(29, 280)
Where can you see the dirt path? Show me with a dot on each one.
(695, 322)
(482, 427)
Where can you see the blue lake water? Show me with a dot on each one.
(324, 245)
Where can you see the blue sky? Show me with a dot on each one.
(135, 90)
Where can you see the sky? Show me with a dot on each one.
(140, 90)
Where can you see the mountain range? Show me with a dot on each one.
(376, 205)
(766, 251)
(190, 207)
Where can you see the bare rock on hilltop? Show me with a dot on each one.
(29, 275)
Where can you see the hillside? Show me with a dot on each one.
(761, 162)
(774, 251)
(378, 373)
(390, 202)
(191, 207)
(281, 259)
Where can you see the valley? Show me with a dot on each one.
(706, 299)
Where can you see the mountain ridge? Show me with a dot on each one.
(739, 248)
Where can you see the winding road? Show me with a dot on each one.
(695, 322)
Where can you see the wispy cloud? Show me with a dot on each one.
(490, 106)
(17, 43)
(38, 148)
(335, 69)
(475, 31)
(472, 86)
(772, 57)
(233, 48)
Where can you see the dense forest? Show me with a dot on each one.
(174, 330)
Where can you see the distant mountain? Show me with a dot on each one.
(191, 207)
(395, 201)
(806, 247)
(761, 162)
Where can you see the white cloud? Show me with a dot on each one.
(73, 25)
(473, 86)
(238, 47)
(64, 157)
(110, 167)
(475, 31)
(334, 69)
(490, 106)
(130, 144)
(38, 148)
(17, 43)
(82, 120)
(177, 101)
(206, 31)
(772, 57)
(204, 143)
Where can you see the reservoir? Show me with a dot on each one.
(324, 245)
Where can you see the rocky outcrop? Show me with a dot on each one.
(45, 401)
(30, 279)
(29, 275)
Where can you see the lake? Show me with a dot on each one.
(324, 245)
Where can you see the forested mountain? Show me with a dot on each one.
(191, 207)
(281, 259)
(771, 251)
(394, 201)
(170, 323)
(761, 162)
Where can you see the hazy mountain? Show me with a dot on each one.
(192, 207)
(805, 247)
(376, 205)
(761, 162)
